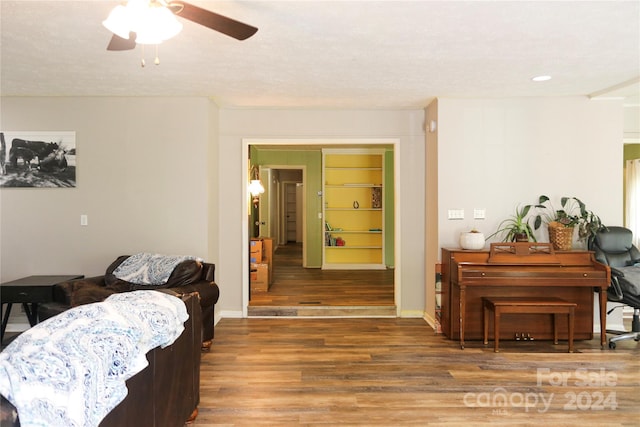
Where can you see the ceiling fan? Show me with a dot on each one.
(212, 20)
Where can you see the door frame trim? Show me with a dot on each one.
(303, 168)
(337, 142)
(283, 207)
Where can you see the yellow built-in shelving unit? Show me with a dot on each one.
(353, 208)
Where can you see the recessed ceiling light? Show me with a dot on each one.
(541, 78)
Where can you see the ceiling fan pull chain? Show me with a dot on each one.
(157, 60)
(142, 62)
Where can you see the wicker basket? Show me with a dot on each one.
(561, 237)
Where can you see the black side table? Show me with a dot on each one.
(29, 291)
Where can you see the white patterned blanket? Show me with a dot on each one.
(70, 370)
(148, 269)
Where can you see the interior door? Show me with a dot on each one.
(290, 212)
(299, 210)
(266, 204)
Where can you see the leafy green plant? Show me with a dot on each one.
(516, 227)
(565, 216)
(573, 212)
(589, 225)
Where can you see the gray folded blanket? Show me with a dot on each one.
(632, 276)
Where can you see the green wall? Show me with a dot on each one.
(389, 209)
(631, 151)
(312, 161)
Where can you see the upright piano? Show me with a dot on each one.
(520, 270)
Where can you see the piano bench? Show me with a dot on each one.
(533, 305)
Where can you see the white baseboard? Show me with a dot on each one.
(17, 327)
(431, 321)
(412, 314)
(231, 314)
(613, 327)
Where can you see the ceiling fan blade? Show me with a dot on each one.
(228, 26)
(118, 43)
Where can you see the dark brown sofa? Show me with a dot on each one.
(164, 394)
(187, 277)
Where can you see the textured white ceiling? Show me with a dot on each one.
(332, 54)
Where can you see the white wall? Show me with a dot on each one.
(632, 124)
(407, 125)
(498, 153)
(141, 179)
(164, 174)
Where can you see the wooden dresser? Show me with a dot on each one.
(520, 270)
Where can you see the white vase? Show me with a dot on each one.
(469, 240)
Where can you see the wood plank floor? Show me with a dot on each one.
(298, 291)
(393, 372)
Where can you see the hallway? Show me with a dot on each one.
(298, 291)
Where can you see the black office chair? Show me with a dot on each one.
(614, 246)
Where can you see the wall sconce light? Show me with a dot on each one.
(255, 186)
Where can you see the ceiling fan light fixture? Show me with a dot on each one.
(156, 25)
(152, 22)
(118, 22)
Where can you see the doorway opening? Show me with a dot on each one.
(300, 286)
(281, 209)
(292, 212)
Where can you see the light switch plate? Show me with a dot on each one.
(479, 213)
(456, 214)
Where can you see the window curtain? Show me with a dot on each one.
(633, 198)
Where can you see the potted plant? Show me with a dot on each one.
(589, 226)
(516, 228)
(562, 222)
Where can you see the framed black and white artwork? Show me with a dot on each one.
(38, 159)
